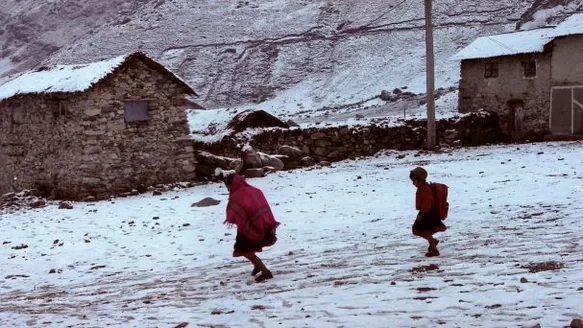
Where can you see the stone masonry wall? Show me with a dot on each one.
(339, 143)
(81, 146)
(33, 140)
(493, 94)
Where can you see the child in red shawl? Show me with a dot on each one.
(249, 211)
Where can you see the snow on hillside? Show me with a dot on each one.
(287, 56)
(345, 256)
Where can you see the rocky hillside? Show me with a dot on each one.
(297, 55)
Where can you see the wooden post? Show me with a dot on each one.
(431, 133)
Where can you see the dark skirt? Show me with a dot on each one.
(430, 223)
(245, 246)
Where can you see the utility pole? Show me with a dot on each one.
(431, 133)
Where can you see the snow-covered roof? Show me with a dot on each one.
(74, 78)
(523, 42)
(570, 26)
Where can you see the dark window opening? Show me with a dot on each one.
(18, 115)
(136, 111)
(529, 68)
(491, 70)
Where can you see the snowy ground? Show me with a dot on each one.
(345, 256)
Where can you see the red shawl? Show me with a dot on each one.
(249, 210)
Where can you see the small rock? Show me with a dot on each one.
(21, 246)
(65, 206)
(540, 153)
(134, 192)
(182, 325)
(576, 323)
(131, 222)
(87, 241)
(401, 156)
(393, 283)
(206, 202)
(156, 218)
(523, 280)
(186, 224)
(156, 193)
(38, 204)
(51, 271)
(55, 242)
(359, 116)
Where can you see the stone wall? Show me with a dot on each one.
(77, 146)
(497, 94)
(339, 143)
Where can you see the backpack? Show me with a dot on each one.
(439, 191)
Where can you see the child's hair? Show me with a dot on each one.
(228, 179)
(418, 173)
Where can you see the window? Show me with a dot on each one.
(529, 68)
(136, 111)
(491, 70)
(18, 115)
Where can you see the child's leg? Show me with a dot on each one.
(256, 262)
(432, 249)
(260, 266)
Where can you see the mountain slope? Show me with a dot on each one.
(299, 54)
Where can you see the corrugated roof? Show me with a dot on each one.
(523, 42)
(570, 26)
(73, 78)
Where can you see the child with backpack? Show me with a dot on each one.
(431, 202)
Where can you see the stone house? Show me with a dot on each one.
(532, 79)
(95, 129)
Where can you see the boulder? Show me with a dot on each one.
(271, 161)
(254, 173)
(269, 170)
(214, 160)
(292, 152)
(251, 159)
(38, 204)
(307, 161)
(251, 119)
(237, 165)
